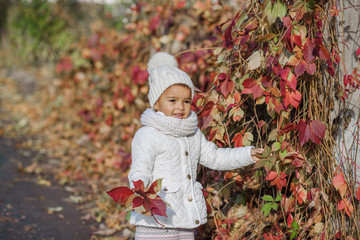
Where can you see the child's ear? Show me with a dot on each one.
(156, 107)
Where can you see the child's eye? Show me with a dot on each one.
(172, 100)
(188, 101)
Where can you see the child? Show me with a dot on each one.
(170, 146)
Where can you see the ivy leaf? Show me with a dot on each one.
(228, 39)
(292, 97)
(358, 193)
(278, 198)
(313, 130)
(271, 175)
(144, 201)
(252, 86)
(225, 84)
(268, 198)
(340, 184)
(289, 220)
(120, 194)
(255, 60)
(158, 207)
(273, 11)
(358, 53)
(277, 179)
(139, 187)
(266, 208)
(308, 51)
(274, 206)
(155, 186)
(346, 205)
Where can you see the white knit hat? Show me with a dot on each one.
(164, 72)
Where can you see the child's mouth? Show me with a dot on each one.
(178, 115)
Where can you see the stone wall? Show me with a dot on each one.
(346, 116)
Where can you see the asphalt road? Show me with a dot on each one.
(25, 204)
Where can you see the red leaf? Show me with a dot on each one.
(338, 180)
(226, 87)
(222, 76)
(271, 175)
(318, 128)
(138, 186)
(137, 202)
(358, 193)
(310, 68)
(346, 205)
(228, 32)
(139, 76)
(300, 68)
(158, 207)
(324, 53)
(297, 40)
(154, 22)
(289, 78)
(252, 87)
(358, 52)
(304, 131)
(120, 194)
(289, 220)
(238, 139)
(313, 130)
(155, 186)
(180, 5)
(292, 97)
(65, 64)
(308, 51)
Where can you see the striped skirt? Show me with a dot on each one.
(149, 233)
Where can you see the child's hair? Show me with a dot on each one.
(164, 72)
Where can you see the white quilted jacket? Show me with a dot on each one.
(156, 153)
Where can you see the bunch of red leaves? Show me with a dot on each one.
(143, 200)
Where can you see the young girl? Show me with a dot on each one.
(170, 146)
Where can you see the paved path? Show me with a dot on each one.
(24, 204)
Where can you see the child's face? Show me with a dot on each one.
(175, 101)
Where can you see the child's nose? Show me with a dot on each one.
(181, 105)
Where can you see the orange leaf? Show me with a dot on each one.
(271, 175)
(338, 180)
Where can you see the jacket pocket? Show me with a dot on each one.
(171, 194)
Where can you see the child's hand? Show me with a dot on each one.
(255, 152)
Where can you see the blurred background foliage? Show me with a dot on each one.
(40, 31)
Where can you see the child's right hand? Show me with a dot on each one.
(255, 152)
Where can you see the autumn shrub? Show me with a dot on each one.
(266, 75)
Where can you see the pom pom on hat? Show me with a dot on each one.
(164, 72)
(161, 58)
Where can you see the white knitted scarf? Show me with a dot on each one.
(170, 125)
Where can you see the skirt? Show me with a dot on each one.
(149, 233)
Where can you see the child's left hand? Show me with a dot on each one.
(255, 152)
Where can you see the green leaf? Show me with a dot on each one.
(279, 9)
(268, 198)
(295, 225)
(268, 166)
(278, 198)
(274, 206)
(273, 135)
(283, 154)
(276, 146)
(266, 208)
(293, 234)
